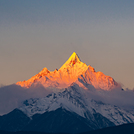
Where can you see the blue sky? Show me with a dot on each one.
(43, 33)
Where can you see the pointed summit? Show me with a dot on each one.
(73, 59)
(73, 70)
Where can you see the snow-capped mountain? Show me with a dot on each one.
(73, 99)
(73, 70)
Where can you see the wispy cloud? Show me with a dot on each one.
(11, 96)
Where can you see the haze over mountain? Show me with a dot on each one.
(72, 97)
(72, 71)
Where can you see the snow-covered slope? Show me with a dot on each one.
(75, 90)
(74, 100)
(72, 70)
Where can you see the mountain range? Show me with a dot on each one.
(77, 99)
(73, 70)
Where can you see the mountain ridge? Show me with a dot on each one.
(74, 99)
(123, 129)
(58, 110)
(51, 99)
(71, 71)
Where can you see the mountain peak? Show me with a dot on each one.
(74, 56)
(73, 59)
(73, 70)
